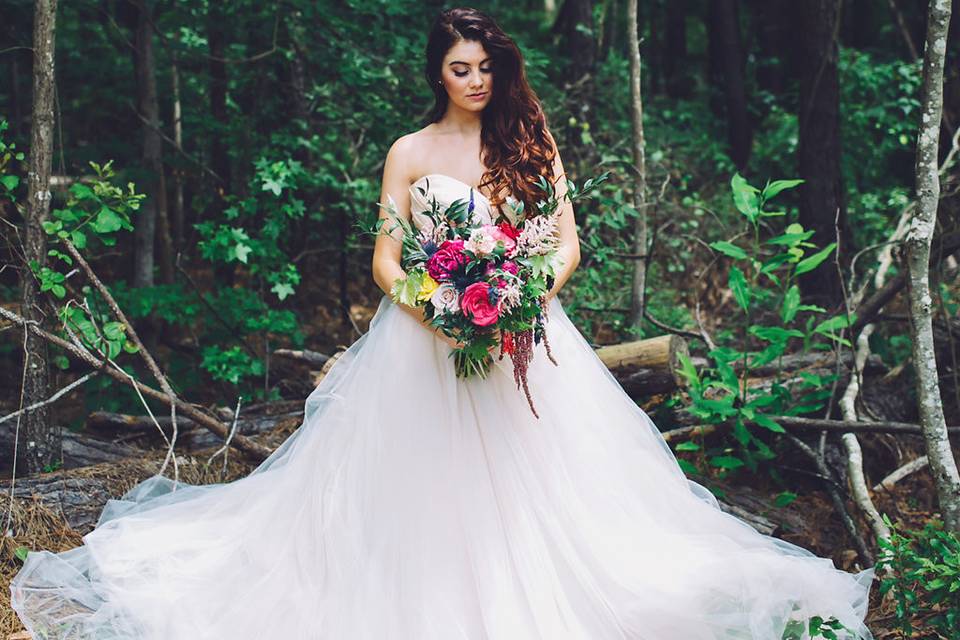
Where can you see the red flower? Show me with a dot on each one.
(506, 342)
(475, 303)
(509, 230)
(448, 258)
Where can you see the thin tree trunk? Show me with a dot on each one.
(725, 17)
(919, 237)
(637, 301)
(178, 222)
(16, 111)
(219, 158)
(575, 27)
(153, 214)
(821, 196)
(41, 438)
(678, 84)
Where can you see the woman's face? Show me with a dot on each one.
(467, 71)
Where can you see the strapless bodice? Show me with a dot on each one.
(446, 190)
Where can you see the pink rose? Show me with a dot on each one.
(510, 267)
(498, 234)
(448, 258)
(475, 303)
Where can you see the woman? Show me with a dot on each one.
(416, 505)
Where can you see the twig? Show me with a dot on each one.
(59, 394)
(900, 473)
(251, 448)
(226, 445)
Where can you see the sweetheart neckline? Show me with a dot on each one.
(443, 175)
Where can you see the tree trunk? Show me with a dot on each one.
(771, 31)
(637, 301)
(178, 221)
(40, 437)
(575, 27)
(821, 196)
(610, 40)
(152, 216)
(219, 158)
(725, 28)
(675, 50)
(917, 244)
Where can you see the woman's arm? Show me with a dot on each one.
(569, 250)
(387, 249)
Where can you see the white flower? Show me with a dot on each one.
(539, 236)
(445, 298)
(481, 242)
(509, 297)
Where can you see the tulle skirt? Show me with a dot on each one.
(413, 505)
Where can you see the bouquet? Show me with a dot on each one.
(482, 284)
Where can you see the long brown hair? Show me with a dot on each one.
(514, 140)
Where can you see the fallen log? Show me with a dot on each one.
(690, 424)
(191, 436)
(78, 450)
(312, 358)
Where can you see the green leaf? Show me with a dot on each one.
(21, 553)
(726, 462)
(114, 330)
(784, 498)
(768, 423)
(688, 467)
(775, 334)
(738, 284)
(741, 433)
(282, 289)
(791, 303)
(107, 221)
(688, 370)
(241, 251)
(836, 322)
(812, 262)
(745, 197)
(775, 187)
(10, 182)
(79, 239)
(688, 446)
(729, 249)
(405, 290)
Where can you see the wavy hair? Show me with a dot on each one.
(514, 141)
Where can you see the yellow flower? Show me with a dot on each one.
(427, 286)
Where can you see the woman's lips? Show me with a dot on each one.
(479, 96)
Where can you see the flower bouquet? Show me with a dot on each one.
(482, 284)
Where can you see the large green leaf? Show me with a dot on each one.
(791, 303)
(741, 291)
(729, 249)
(775, 187)
(812, 262)
(745, 197)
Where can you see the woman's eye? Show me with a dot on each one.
(460, 74)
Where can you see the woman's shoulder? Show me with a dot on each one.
(410, 148)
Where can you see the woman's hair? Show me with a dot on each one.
(514, 138)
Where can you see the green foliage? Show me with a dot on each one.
(9, 181)
(922, 569)
(763, 281)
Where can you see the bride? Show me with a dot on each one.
(415, 505)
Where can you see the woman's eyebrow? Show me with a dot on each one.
(467, 63)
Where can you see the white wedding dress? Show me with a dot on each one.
(413, 505)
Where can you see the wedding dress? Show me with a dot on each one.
(414, 505)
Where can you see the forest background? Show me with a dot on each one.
(214, 170)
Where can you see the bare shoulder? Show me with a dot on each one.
(407, 151)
